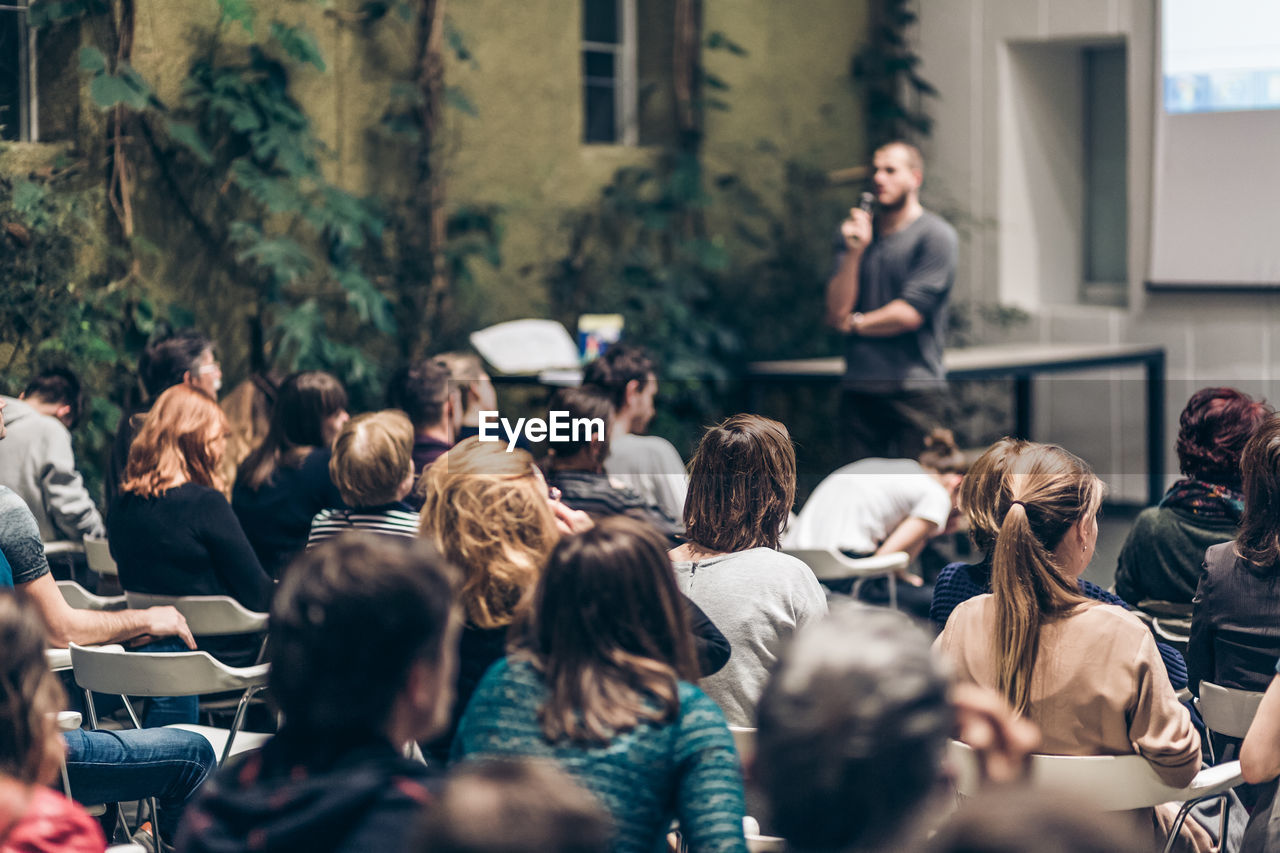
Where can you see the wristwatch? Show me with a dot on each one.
(855, 321)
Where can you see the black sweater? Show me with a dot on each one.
(185, 542)
(277, 516)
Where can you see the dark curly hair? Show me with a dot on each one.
(1214, 427)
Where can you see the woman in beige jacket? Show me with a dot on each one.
(1088, 674)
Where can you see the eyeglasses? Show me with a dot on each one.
(209, 368)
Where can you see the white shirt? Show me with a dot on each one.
(856, 507)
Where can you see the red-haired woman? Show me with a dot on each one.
(1162, 556)
(171, 530)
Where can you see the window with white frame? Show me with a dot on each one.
(18, 107)
(609, 72)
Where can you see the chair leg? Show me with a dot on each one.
(1182, 817)
(237, 721)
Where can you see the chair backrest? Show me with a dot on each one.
(62, 546)
(111, 669)
(59, 660)
(828, 565)
(98, 555)
(744, 741)
(206, 615)
(81, 599)
(1108, 782)
(1226, 710)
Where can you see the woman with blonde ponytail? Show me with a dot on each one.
(1087, 673)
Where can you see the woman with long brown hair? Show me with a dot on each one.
(742, 484)
(32, 816)
(1087, 673)
(285, 481)
(601, 684)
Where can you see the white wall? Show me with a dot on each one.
(1002, 162)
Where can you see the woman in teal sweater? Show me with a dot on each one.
(601, 685)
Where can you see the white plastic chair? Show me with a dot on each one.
(97, 553)
(744, 741)
(831, 565)
(59, 660)
(1107, 782)
(112, 670)
(62, 546)
(81, 599)
(1226, 710)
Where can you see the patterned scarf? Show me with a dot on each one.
(1206, 501)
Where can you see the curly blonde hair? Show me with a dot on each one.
(487, 512)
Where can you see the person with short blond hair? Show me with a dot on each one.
(372, 466)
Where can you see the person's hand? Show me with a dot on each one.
(570, 521)
(908, 578)
(1002, 740)
(168, 622)
(856, 230)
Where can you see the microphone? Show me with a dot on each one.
(866, 202)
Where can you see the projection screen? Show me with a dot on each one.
(1216, 181)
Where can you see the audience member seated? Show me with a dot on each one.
(741, 488)
(168, 764)
(372, 466)
(425, 392)
(364, 636)
(514, 805)
(1235, 624)
(575, 465)
(1235, 620)
(1260, 763)
(853, 723)
(882, 506)
(647, 464)
(185, 357)
(37, 462)
(981, 496)
(1164, 551)
(32, 816)
(283, 484)
(1088, 674)
(171, 530)
(488, 512)
(601, 684)
(476, 393)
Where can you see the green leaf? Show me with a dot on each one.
(714, 82)
(27, 198)
(457, 99)
(91, 59)
(240, 12)
(453, 37)
(106, 91)
(186, 134)
(719, 41)
(298, 43)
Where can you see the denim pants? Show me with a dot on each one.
(168, 764)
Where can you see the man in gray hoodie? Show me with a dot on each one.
(37, 462)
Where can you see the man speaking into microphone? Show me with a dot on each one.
(888, 295)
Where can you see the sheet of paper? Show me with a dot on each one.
(526, 346)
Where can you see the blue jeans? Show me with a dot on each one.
(168, 764)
